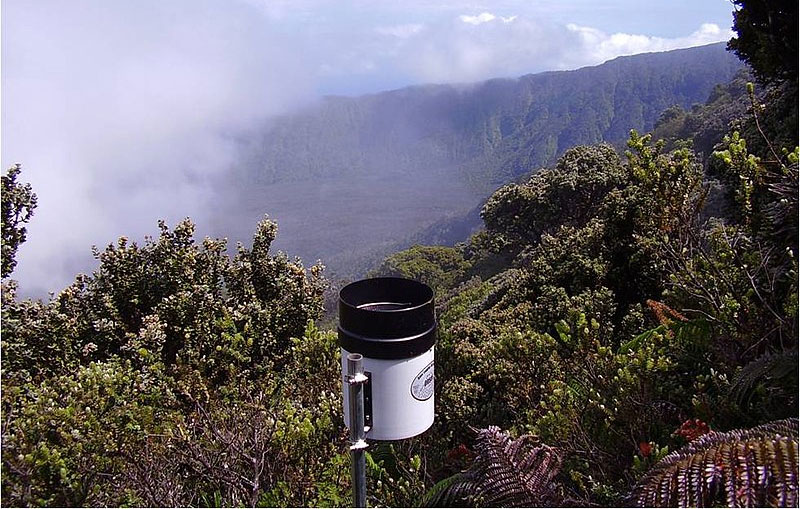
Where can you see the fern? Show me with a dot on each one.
(454, 491)
(749, 468)
(768, 368)
(505, 473)
(690, 335)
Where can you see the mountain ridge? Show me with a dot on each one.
(377, 169)
(467, 84)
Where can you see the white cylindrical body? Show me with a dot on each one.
(401, 395)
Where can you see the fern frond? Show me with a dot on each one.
(505, 473)
(770, 366)
(691, 335)
(750, 468)
(454, 491)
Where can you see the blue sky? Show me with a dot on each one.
(124, 112)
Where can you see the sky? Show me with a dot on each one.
(126, 112)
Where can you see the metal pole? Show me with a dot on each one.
(355, 380)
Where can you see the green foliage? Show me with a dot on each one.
(36, 338)
(259, 448)
(672, 182)
(767, 37)
(773, 121)
(747, 168)
(171, 301)
(599, 311)
(568, 195)
(559, 343)
(765, 188)
(437, 266)
(741, 468)
(395, 475)
(766, 380)
(169, 377)
(739, 284)
(19, 202)
(66, 442)
(704, 125)
(112, 434)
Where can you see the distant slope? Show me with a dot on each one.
(498, 128)
(556, 111)
(371, 171)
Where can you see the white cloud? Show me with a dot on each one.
(598, 46)
(125, 114)
(485, 46)
(482, 47)
(483, 17)
(709, 29)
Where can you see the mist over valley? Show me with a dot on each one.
(353, 179)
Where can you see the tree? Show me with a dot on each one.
(767, 37)
(171, 300)
(440, 267)
(19, 202)
(122, 388)
(569, 194)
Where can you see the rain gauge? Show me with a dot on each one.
(387, 332)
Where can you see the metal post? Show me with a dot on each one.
(355, 380)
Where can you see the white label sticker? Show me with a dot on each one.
(422, 385)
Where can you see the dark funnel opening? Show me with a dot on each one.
(387, 318)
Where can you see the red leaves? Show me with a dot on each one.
(460, 452)
(664, 313)
(692, 429)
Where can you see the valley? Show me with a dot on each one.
(354, 179)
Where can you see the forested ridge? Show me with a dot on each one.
(622, 331)
(386, 170)
(492, 131)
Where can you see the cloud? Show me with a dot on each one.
(483, 46)
(471, 48)
(599, 46)
(122, 114)
(483, 17)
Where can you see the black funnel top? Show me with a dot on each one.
(387, 318)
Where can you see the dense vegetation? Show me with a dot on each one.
(611, 338)
(623, 316)
(134, 384)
